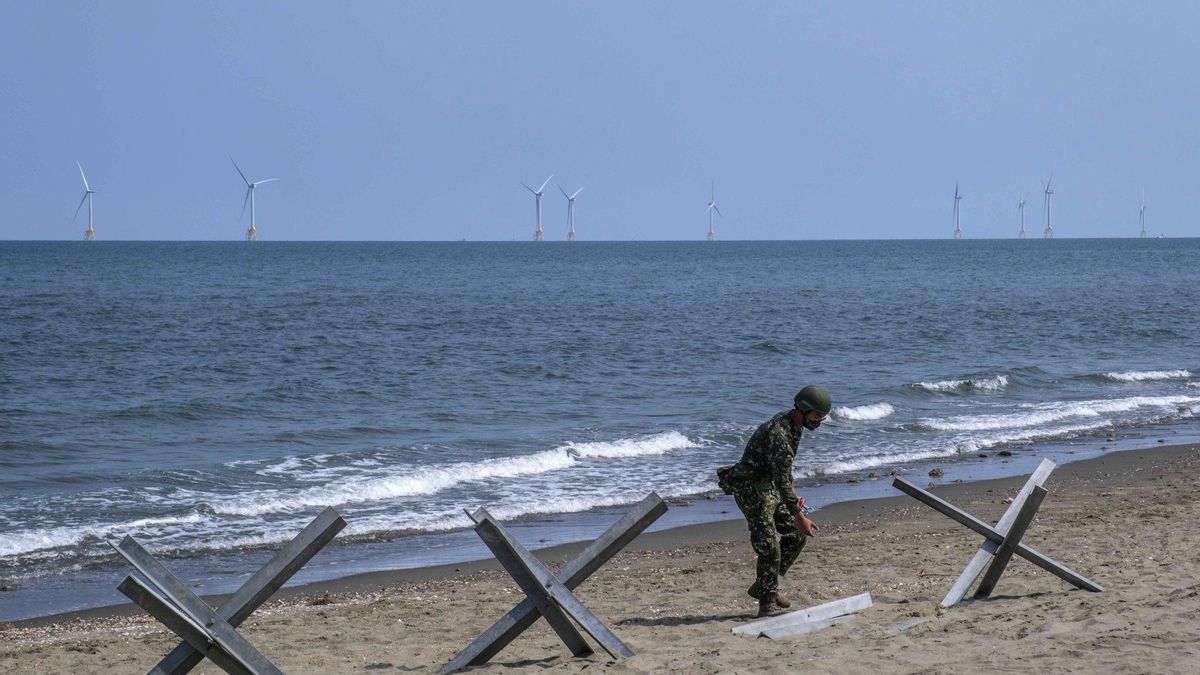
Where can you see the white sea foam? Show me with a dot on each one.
(632, 447)
(1194, 385)
(1147, 375)
(21, 543)
(872, 411)
(410, 481)
(994, 383)
(519, 505)
(1048, 413)
(949, 447)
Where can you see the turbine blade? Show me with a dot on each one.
(576, 193)
(718, 211)
(563, 191)
(265, 180)
(81, 201)
(529, 188)
(85, 183)
(539, 190)
(244, 203)
(239, 170)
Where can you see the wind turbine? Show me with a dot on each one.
(957, 226)
(537, 197)
(252, 231)
(1142, 214)
(1021, 208)
(1049, 197)
(90, 233)
(570, 211)
(712, 206)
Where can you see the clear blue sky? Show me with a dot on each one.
(401, 120)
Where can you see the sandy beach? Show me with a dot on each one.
(1125, 519)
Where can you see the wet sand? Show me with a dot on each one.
(1128, 520)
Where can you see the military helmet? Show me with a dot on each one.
(813, 397)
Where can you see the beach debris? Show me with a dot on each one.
(1003, 541)
(902, 626)
(1005, 453)
(807, 620)
(936, 472)
(549, 595)
(213, 633)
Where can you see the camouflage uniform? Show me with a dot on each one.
(761, 483)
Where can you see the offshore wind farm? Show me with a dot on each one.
(712, 211)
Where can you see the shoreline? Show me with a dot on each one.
(838, 513)
(1124, 519)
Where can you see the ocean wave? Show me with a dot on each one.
(1194, 385)
(994, 383)
(409, 481)
(950, 448)
(871, 411)
(768, 347)
(632, 447)
(21, 543)
(190, 411)
(1048, 413)
(1146, 375)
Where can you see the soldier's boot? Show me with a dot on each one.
(769, 605)
(755, 591)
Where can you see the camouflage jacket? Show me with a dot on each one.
(768, 457)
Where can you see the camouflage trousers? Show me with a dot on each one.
(767, 515)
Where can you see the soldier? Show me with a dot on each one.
(761, 483)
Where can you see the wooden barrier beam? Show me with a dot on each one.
(971, 522)
(265, 582)
(984, 555)
(1005, 552)
(575, 572)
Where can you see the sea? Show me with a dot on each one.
(211, 398)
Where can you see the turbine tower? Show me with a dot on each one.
(537, 197)
(957, 226)
(1021, 208)
(1049, 197)
(1142, 214)
(712, 206)
(90, 233)
(570, 211)
(252, 231)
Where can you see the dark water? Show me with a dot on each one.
(211, 398)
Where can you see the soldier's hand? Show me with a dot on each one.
(807, 527)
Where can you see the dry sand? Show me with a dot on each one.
(1128, 520)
